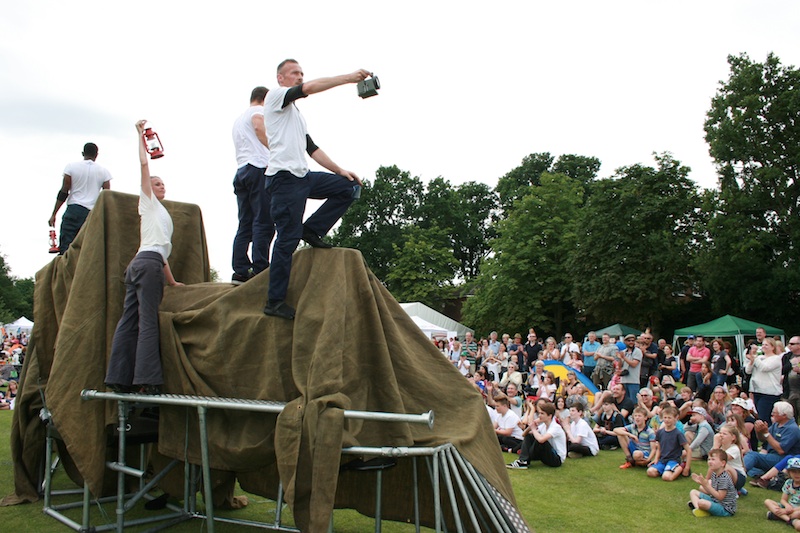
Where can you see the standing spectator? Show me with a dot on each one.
(531, 349)
(249, 185)
(792, 388)
(291, 183)
(494, 344)
(470, 349)
(631, 358)
(590, 348)
(80, 188)
(570, 350)
(697, 355)
(515, 348)
(649, 358)
(682, 363)
(604, 358)
(765, 377)
(720, 362)
(551, 352)
(669, 365)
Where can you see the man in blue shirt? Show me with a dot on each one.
(590, 347)
(780, 439)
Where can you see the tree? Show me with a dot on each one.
(753, 236)
(375, 222)
(423, 267)
(525, 282)
(516, 183)
(635, 244)
(16, 296)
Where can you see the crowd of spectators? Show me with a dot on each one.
(735, 414)
(12, 356)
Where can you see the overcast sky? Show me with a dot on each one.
(467, 90)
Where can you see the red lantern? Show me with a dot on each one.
(153, 143)
(53, 245)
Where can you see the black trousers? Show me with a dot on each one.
(533, 450)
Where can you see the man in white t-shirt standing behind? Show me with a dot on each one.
(255, 223)
(291, 183)
(82, 183)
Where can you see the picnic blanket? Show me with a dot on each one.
(351, 346)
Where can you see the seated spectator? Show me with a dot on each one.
(578, 397)
(647, 401)
(737, 421)
(512, 376)
(780, 439)
(716, 495)
(546, 442)
(700, 440)
(719, 405)
(568, 388)
(610, 419)
(635, 440)
(562, 411)
(581, 440)
(515, 400)
(624, 404)
(507, 427)
(492, 364)
(704, 386)
(535, 378)
(667, 449)
(547, 389)
(729, 439)
(684, 404)
(788, 510)
(668, 385)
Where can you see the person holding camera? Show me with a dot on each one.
(291, 183)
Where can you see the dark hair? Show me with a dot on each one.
(282, 63)
(258, 94)
(548, 408)
(90, 150)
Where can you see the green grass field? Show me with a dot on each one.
(584, 493)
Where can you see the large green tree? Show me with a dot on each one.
(751, 261)
(423, 267)
(525, 281)
(634, 248)
(16, 295)
(374, 224)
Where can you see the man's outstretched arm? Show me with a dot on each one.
(323, 84)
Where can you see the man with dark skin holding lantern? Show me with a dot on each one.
(290, 181)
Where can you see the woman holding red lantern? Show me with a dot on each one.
(135, 364)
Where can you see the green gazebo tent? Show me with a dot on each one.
(618, 330)
(727, 326)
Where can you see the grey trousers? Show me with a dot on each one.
(135, 350)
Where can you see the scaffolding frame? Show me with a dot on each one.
(474, 505)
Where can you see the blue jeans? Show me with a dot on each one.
(289, 195)
(757, 464)
(255, 221)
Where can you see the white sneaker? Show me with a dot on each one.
(517, 465)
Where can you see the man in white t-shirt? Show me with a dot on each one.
(509, 434)
(252, 158)
(291, 183)
(82, 183)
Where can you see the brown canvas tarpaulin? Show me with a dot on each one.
(350, 347)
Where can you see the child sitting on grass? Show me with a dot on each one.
(716, 495)
(610, 419)
(635, 439)
(788, 510)
(667, 448)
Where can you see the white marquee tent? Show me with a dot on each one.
(451, 327)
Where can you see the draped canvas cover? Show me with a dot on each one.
(351, 346)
